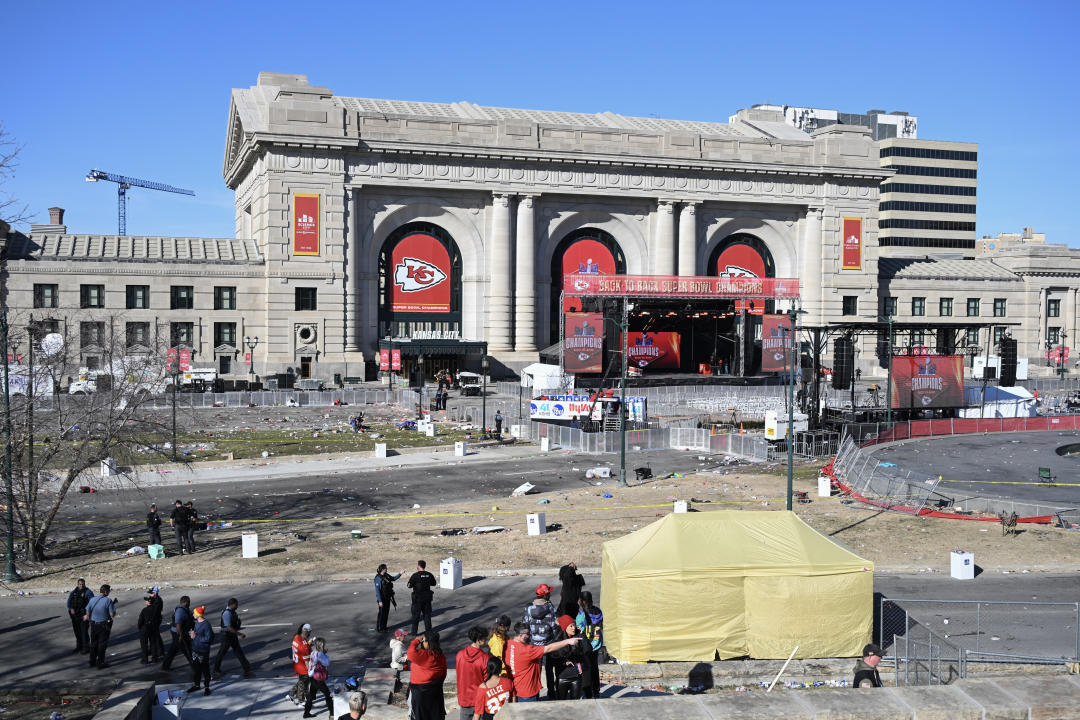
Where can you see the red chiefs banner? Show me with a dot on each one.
(732, 288)
(776, 343)
(384, 359)
(305, 224)
(170, 359)
(852, 252)
(583, 344)
(586, 257)
(928, 381)
(654, 350)
(395, 359)
(185, 359)
(741, 260)
(420, 275)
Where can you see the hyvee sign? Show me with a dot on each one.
(421, 275)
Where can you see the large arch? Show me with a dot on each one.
(777, 236)
(596, 248)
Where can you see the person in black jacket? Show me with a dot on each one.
(178, 521)
(570, 663)
(384, 595)
(193, 521)
(76, 607)
(421, 583)
(149, 627)
(866, 672)
(153, 525)
(182, 623)
(230, 638)
(572, 583)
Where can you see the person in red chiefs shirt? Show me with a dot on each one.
(493, 693)
(523, 660)
(301, 649)
(470, 666)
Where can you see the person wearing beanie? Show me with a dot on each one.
(202, 637)
(572, 582)
(470, 666)
(500, 634)
(866, 672)
(540, 615)
(569, 663)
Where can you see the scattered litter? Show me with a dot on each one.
(545, 501)
(484, 529)
(136, 550)
(522, 489)
(602, 471)
(608, 495)
(416, 506)
(454, 531)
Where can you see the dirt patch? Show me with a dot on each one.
(580, 521)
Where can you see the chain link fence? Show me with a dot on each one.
(876, 483)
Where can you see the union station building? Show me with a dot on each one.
(368, 229)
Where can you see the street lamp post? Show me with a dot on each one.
(623, 342)
(10, 575)
(793, 316)
(251, 343)
(1061, 355)
(888, 384)
(485, 363)
(420, 395)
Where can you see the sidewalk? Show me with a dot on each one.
(235, 698)
(327, 465)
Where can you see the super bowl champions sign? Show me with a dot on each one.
(929, 381)
(775, 343)
(420, 275)
(584, 343)
(576, 407)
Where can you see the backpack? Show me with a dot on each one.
(319, 672)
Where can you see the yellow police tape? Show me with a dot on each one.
(1014, 482)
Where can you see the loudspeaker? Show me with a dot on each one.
(1008, 362)
(843, 363)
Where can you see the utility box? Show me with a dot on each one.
(537, 523)
(461, 448)
(450, 574)
(356, 534)
(681, 506)
(108, 467)
(429, 429)
(776, 424)
(156, 552)
(824, 486)
(545, 444)
(249, 544)
(962, 565)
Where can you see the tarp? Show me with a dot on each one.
(998, 402)
(693, 586)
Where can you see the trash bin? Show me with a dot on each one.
(824, 486)
(962, 565)
(380, 450)
(681, 506)
(461, 448)
(156, 552)
(450, 574)
(537, 523)
(249, 543)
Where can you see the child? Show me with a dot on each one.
(398, 650)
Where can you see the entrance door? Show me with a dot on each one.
(305, 366)
(224, 365)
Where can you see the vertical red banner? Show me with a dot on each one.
(420, 275)
(305, 224)
(247, 358)
(395, 359)
(852, 244)
(586, 257)
(170, 359)
(927, 381)
(654, 350)
(583, 343)
(384, 359)
(742, 261)
(776, 343)
(185, 359)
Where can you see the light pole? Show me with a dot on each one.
(175, 380)
(250, 343)
(420, 395)
(485, 363)
(793, 316)
(623, 325)
(9, 573)
(888, 384)
(1061, 355)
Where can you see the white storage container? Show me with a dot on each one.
(249, 544)
(461, 448)
(537, 523)
(450, 574)
(962, 565)
(681, 506)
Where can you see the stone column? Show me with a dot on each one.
(663, 250)
(525, 278)
(498, 295)
(810, 277)
(352, 271)
(688, 239)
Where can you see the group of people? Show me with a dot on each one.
(92, 619)
(184, 520)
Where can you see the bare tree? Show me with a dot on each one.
(11, 211)
(60, 440)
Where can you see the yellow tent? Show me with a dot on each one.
(736, 583)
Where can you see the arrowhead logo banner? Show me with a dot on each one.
(420, 275)
(413, 275)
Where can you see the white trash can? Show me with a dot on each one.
(249, 544)
(681, 506)
(108, 467)
(429, 429)
(824, 486)
(450, 574)
(537, 523)
(515, 431)
(545, 444)
(962, 565)
(461, 448)
(380, 450)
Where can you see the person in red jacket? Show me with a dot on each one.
(524, 662)
(471, 667)
(301, 649)
(428, 665)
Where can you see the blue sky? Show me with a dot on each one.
(145, 92)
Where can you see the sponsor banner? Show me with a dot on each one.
(742, 261)
(395, 359)
(420, 280)
(305, 224)
(732, 288)
(247, 358)
(586, 257)
(852, 251)
(931, 381)
(776, 343)
(584, 343)
(653, 350)
(384, 359)
(576, 407)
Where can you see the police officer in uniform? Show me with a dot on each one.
(193, 520)
(76, 607)
(100, 612)
(230, 638)
(178, 520)
(421, 583)
(153, 525)
(866, 672)
(182, 624)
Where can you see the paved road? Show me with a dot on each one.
(37, 641)
(1004, 465)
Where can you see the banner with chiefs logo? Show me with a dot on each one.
(776, 343)
(420, 280)
(586, 257)
(742, 261)
(384, 359)
(583, 343)
(395, 359)
(305, 224)
(185, 359)
(654, 350)
(927, 381)
(852, 252)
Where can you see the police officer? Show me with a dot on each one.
(866, 672)
(76, 607)
(230, 638)
(193, 519)
(100, 612)
(149, 630)
(498, 423)
(421, 583)
(178, 520)
(153, 525)
(182, 623)
(384, 595)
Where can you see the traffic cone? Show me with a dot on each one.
(741, 431)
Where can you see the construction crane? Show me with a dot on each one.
(123, 183)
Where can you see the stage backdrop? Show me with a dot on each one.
(775, 343)
(929, 381)
(586, 257)
(584, 343)
(654, 350)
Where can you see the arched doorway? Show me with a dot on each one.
(584, 251)
(737, 331)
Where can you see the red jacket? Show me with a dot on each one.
(471, 667)
(427, 666)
